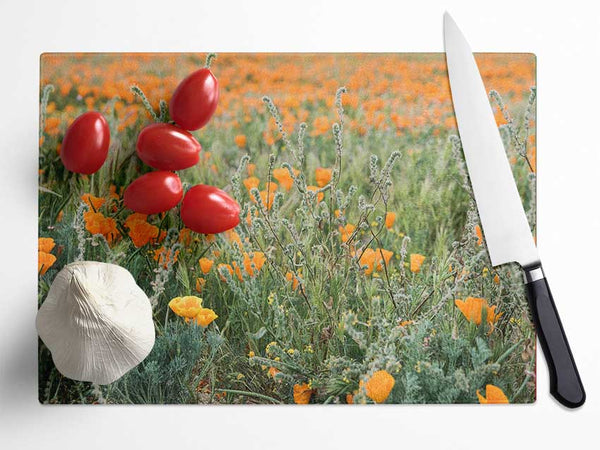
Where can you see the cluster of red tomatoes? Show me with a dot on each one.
(166, 148)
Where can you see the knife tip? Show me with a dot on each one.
(448, 20)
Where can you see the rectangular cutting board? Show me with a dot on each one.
(357, 273)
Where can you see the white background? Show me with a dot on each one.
(566, 38)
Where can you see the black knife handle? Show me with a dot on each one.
(565, 383)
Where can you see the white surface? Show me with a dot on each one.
(566, 39)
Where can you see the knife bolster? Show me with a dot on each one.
(533, 273)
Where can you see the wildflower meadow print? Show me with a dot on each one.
(346, 264)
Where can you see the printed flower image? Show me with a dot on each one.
(302, 225)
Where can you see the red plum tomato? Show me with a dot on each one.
(209, 210)
(85, 145)
(153, 192)
(167, 147)
(195, 100)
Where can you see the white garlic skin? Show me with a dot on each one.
(96, 321)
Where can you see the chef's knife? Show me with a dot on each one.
(505, 227)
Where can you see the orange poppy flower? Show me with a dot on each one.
(45, 244)
(390, 218)
(200, 282)
(227, 267)
(257, 260)
(165, 257)
(95, 203)
(379, 386)
(234, 238)
(141, 233)
(251, 182)
(302, 394)
(473, 308)
(371, 259)
(45, 261)
(267, 202)
(320, 195)
(272, 372)
(205, 317)
(240, 140)
(323, 176)
(185, 236)
(493, 395)
(283, 177)
(205, 265)
(416, 261)
(346, 231)
(295, 279)
(96, 223)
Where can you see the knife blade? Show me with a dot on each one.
(505, 227)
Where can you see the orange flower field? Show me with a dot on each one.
(358, 272)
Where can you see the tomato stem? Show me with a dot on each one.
(209, 59)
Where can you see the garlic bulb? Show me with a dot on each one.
(96, 321)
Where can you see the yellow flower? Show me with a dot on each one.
(346, 231)
(205, 317)
(473, 308)
(323, 176)
(416, 261)
(379, 386)
(189, 306)
(493, 394)
(45, 244)
(302, 394)
(390, 218)
(205, 265)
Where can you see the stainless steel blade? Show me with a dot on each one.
(505, 227)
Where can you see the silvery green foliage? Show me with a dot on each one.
(168, 374)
